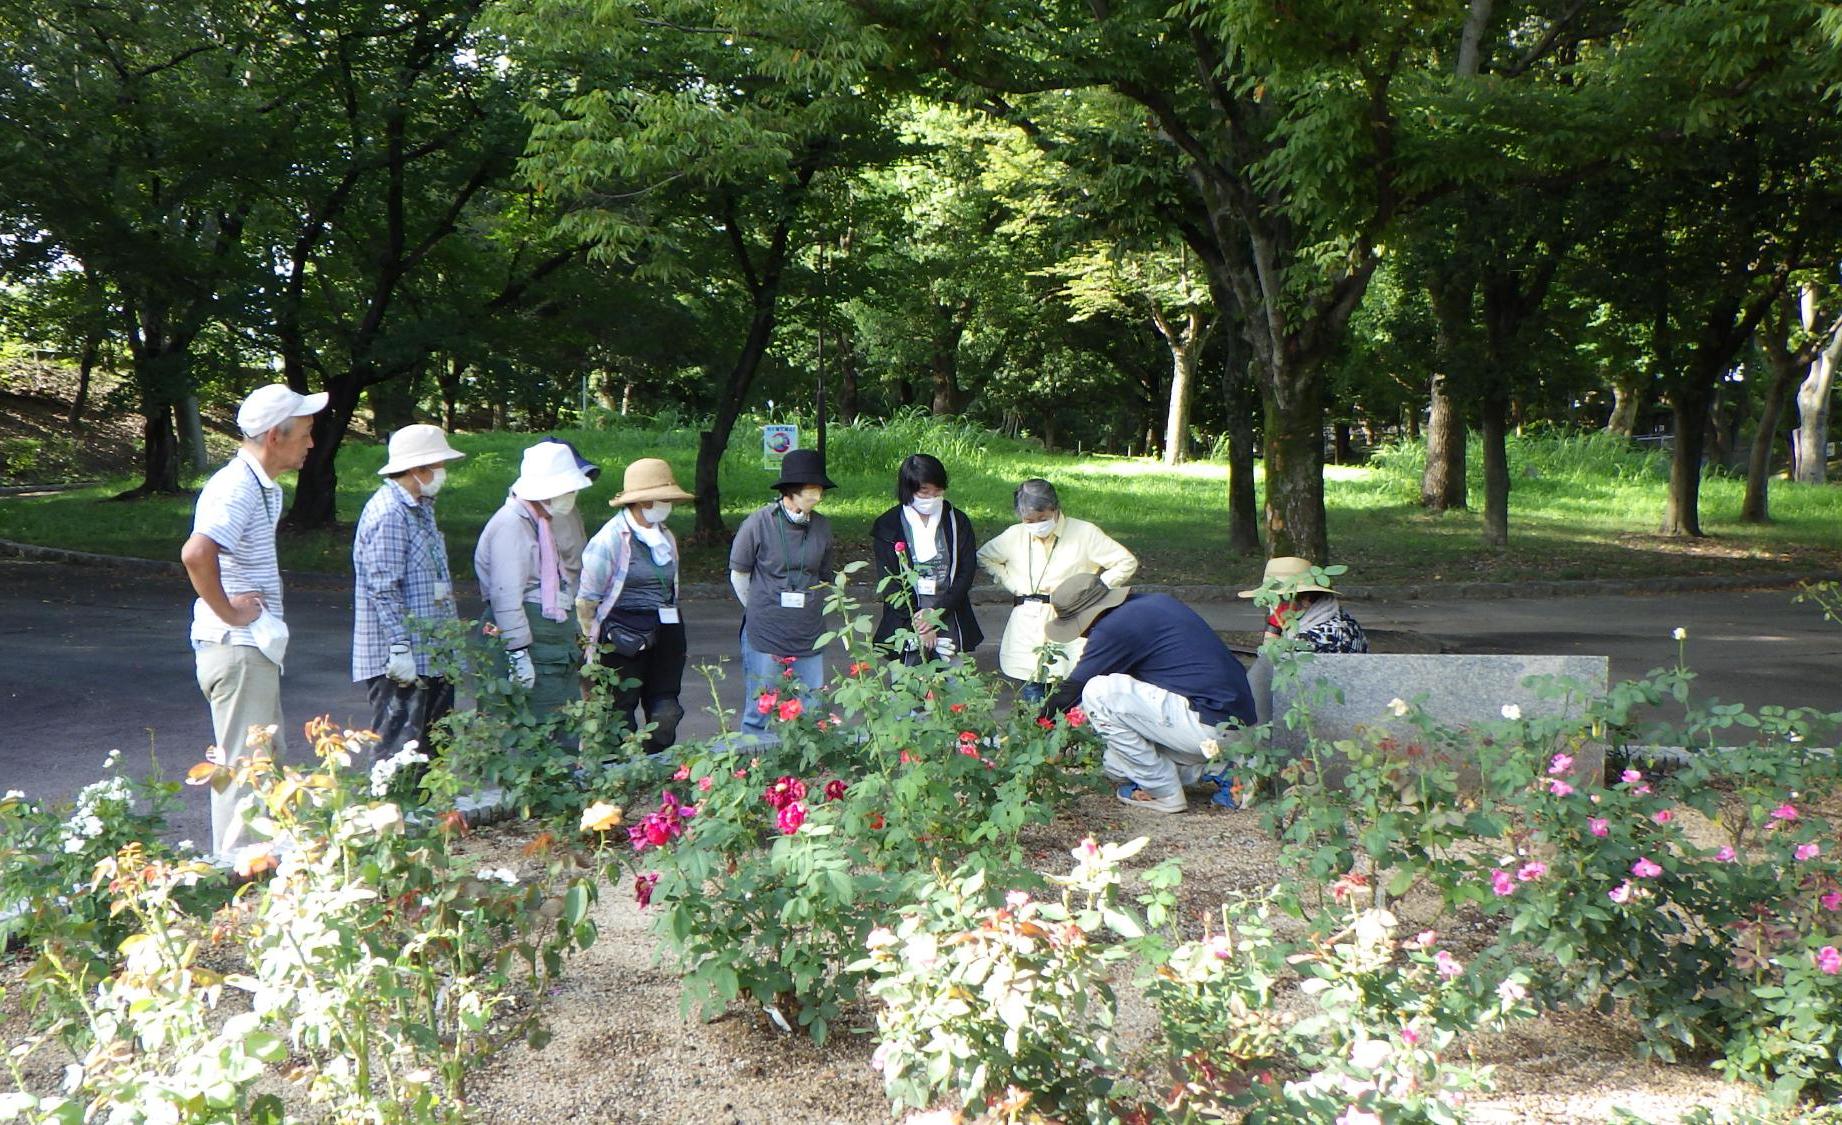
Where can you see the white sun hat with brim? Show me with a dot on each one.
(549, 470)
(414, 447)
(270, 406)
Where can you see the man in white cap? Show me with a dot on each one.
(400, 565)
(238, 634)
(529, 592)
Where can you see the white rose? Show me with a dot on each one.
(1512, 712)
(1398, 708)
(1680, 634)
(1211, 749)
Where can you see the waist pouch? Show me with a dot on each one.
(627, 636)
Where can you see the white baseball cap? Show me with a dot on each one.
(412, 447)
(270, 406)
(549, 470)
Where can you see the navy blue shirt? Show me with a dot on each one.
(1158, 639)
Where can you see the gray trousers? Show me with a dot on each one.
(243, 688)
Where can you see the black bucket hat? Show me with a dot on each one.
(803, 466)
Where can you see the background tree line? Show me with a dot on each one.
(1277, 226)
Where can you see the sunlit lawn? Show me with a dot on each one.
(1570, 517)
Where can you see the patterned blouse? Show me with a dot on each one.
(1339, 634)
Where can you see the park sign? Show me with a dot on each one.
(776, 442)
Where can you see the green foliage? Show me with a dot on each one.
(54, 870)
(776, 859)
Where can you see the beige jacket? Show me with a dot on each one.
(1025, 565)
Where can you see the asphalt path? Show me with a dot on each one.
(97, 659)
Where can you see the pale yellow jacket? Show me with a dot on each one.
(1023, 565)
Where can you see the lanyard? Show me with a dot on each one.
(1036, 582)
(264, 490)
(786, 552)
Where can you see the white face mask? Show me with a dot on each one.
(561, 505)
(928, 506)
(433, 485)
(1042, 529)
(656, 514)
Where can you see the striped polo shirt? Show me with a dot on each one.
(238, 509)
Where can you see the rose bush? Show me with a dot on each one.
(769, 862)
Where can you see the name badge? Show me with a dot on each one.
(928, 586)
(668, 615)
(444, 592)
(793, 599)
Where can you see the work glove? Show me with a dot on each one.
(401, 667)
(944, 647)
(523, 673)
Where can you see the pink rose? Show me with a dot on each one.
(1808, 851)
(1632, 777)
(766, 702)
(1829, 960)
(900, 547)
(703, 784)
(1785, 812)
(1529, 872)
(1620, 894)
(790, 818)
(1560, 788)
(790, 709)
(1644, 869)
(1560, 763)
(1662, 816)
(1598, 826)
(683, 774)
(1448, 965)
(1501, 882)
(1409, 1036)
(1725, 855)
(1077, 717)
(1832, 900)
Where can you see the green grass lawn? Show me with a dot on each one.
(1580, 508)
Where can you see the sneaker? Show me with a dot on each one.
(1138, 798)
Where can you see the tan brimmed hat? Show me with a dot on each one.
(413, 447)
(1077, 601)
(650, 479)
(1291, 574)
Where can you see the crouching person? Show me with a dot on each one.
(1155, 681)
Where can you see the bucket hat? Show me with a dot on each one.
(548, 471)
(1293, 575)
(589, 469)
(650, 479)
(413, 447)
(1077, 601)
(270, 406)
(803, 466)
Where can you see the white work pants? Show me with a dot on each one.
(1153, 737)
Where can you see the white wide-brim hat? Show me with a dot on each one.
(413, 447)
(270, 406)
(549, 470)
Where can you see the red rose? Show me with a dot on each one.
(790, 709)
(1076, 717)
(834, 789)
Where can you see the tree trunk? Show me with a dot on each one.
(159, 455)
(1689, 406)
(943, 363)
(712, 442)
(1811, 447)
(86, 365)
(1493, 427)
(850, 392)
(1629, 395)
(316, 491)
(1242, 403)
(448, 374)
(1177, 419)
(1295, 523)
(393, 404)
(1442, 482)
(1755, 508)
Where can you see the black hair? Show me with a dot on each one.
(918, 469)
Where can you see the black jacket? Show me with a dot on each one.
(952, 598)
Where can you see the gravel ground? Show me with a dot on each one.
(623, 1052)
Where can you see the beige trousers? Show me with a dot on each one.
(244, 690)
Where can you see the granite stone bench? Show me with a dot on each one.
(1456, 691)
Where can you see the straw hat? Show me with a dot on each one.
(413, 447)
(650, 479)
(548, 471)
(1291, 574)
(1077, 601)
